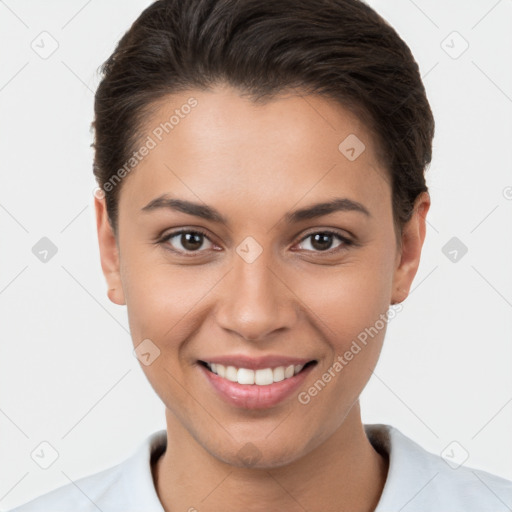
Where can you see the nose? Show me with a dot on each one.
(255, 301)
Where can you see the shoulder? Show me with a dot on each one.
(125, 487)
(422, 481)
(82, 495)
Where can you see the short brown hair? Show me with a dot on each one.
(341, 49)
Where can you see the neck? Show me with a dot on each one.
(344, 473)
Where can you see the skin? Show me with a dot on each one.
(255, 163)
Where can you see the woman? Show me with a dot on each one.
(261, 213)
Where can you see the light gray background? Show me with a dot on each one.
(67, 371)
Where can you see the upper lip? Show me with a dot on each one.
(256, 363)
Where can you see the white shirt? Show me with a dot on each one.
(417, 481)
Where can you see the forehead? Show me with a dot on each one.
(217, 144)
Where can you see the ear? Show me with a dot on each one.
(109, 252)
(408, 258)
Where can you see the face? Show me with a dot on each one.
(224, 256)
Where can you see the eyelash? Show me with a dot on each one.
(346, 242)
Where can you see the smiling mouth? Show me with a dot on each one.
(260, 377)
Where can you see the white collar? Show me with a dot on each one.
(417, 481)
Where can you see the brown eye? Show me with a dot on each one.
(190, 241)
(322, 241)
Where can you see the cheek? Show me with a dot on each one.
(350, 310)
(159, 296)
(349, 298)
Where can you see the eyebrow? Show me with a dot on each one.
(211, 214)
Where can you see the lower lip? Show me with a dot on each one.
(253, 396)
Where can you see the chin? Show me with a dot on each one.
(251, 457)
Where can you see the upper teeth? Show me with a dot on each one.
(262, 377)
